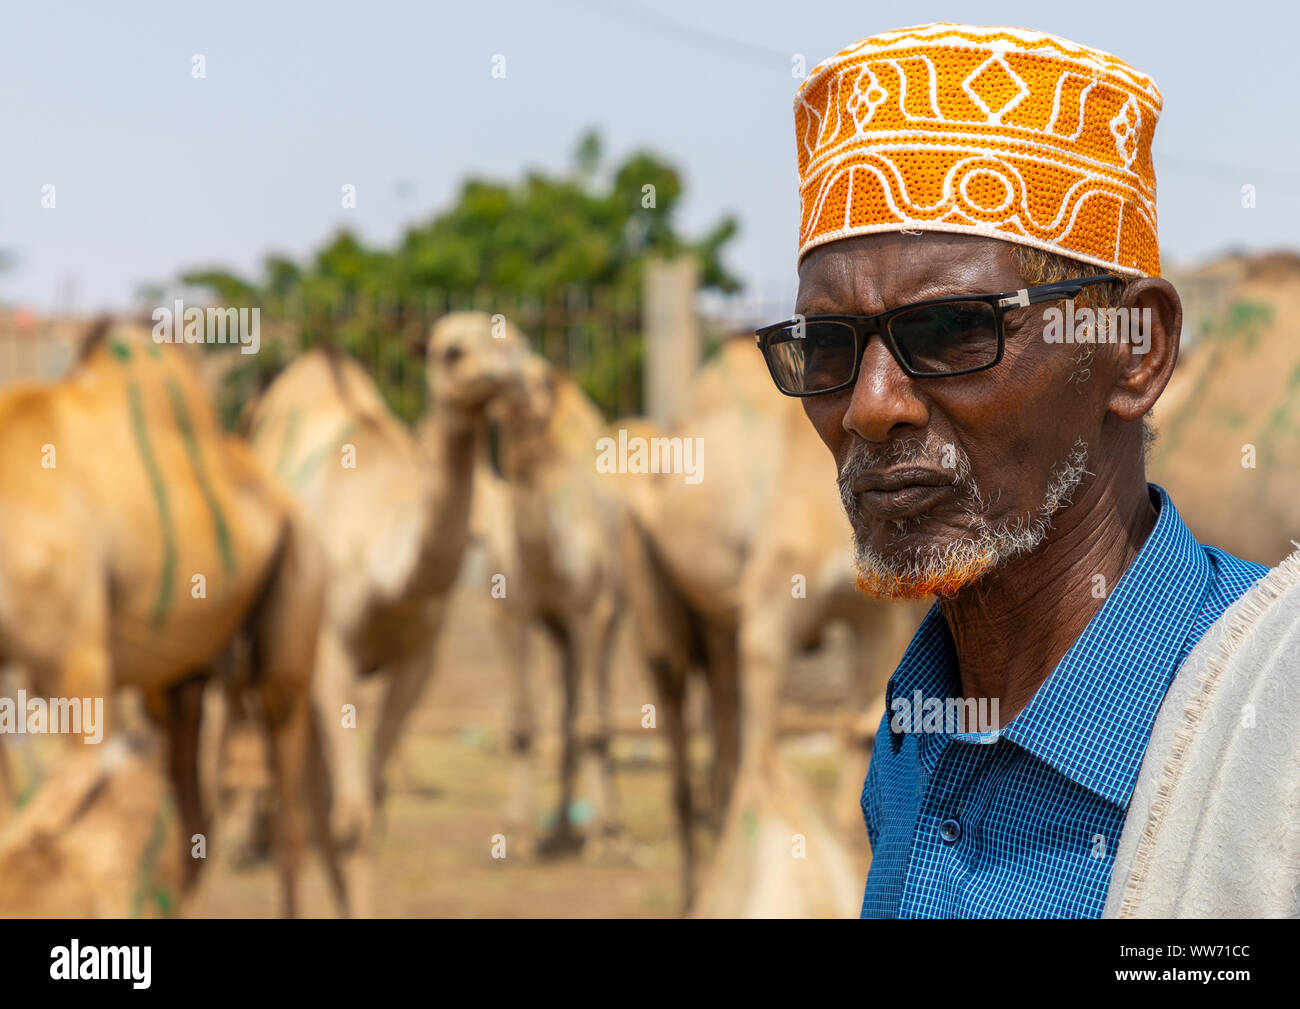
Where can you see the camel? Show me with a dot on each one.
(9, 682)
(137, 542)
(732, 576)
(560, 573)
(99, 839)
(392, 509)
(1227, 450)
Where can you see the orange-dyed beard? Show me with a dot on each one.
(944, 569)
(945, 582)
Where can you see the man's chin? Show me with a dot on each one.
(943, 574)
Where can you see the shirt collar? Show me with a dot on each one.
(929, 666)
(1091, 719)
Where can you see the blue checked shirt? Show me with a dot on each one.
(1024, 822)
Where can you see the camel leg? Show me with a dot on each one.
(287, 722)
(318, 796)
(348, 867)
(764, 652)
(723, 674)
(522, 737)
(85, 672)
(222, 710)
(670, 680)
(563, 837)
(285, 628)
(764, 657)
(183, 718)
(667, 641)
(214, 734)
(595, 639)
(342, 802)
(334, 685)
(409, 678)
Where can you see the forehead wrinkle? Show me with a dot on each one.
(867, 275)
(867, 300)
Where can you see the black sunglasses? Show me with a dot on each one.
(937, 338)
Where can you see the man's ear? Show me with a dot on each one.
(1146, 358)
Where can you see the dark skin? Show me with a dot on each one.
(1015, 421)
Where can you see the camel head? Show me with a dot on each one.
(532, 403)
(546, 419)
(472, 360)
(523, 415)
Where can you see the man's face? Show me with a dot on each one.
(945, 478)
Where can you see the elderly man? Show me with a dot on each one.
(977, 206)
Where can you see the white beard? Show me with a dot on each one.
(943, 569)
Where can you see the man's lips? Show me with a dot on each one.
(898, 479)
(901, 493)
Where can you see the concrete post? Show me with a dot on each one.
(671, 330)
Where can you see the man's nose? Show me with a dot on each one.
(883, 397)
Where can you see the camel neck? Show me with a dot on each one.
(454, 435)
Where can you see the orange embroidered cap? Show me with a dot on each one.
(995, 131)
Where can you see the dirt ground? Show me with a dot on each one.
(448, 795)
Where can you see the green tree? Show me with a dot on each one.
(541, 240)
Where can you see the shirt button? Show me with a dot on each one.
(950, 830)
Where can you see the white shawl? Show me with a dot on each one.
(1213, 827)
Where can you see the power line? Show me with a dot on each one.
(762, 56)
(746, 52)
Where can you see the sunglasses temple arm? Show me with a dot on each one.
(1068, 288)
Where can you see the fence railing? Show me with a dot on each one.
(36, 350)
(594, 334)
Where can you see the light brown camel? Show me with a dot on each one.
(1228, 450)
(560, 572)
(98, 839)
(392, 510)
(137, 541)
(737, 574)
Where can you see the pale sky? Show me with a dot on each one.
(156, 171)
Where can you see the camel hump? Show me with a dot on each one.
(577, 414)
(108, 329)
(326, 372)
(354, 387)
(735, 376)
(322, 382)
(335, 361)
(128, 341)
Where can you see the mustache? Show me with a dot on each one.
(931, 453)
(928, 453)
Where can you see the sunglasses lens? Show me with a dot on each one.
(812, 356)
(939, 339)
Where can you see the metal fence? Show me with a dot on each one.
(594, 334)
(36, 350)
